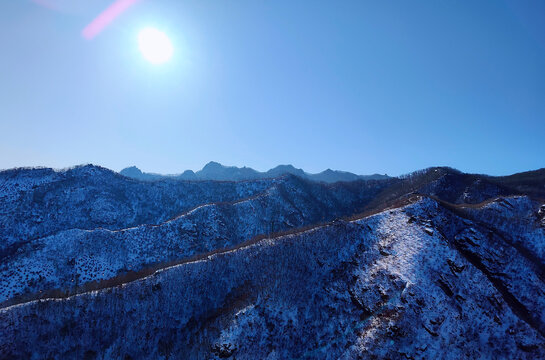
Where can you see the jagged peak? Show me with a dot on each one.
(214, 170)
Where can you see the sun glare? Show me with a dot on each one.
(155, 45)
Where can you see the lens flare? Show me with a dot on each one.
(155, 45)
(106, 17)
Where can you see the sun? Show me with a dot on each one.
(155, 45)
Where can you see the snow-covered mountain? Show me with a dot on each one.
(216, 171)
(436, 264)
(74, 256)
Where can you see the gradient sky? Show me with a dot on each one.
(363, 86)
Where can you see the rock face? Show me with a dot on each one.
(420, 268)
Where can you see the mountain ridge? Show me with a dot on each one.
(413, 282)
(424, 265)
(215, 171)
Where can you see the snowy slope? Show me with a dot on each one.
(71, 258)
(414, 282)
(39, 202)
(435, 264)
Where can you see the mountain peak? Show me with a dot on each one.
(285, 167)
(131, 171)
(89, 169)
(213, 165)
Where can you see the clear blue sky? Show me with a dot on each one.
(362, 86)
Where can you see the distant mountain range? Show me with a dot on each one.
(216, 171)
